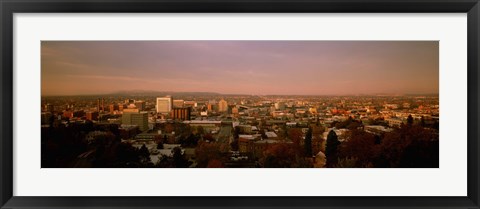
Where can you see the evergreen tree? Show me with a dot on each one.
(144, 155)
(331, 148)
(308, 143)
(179, 159)
(410, 120)
(422, 122)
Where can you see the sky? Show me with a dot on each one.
(240, 67)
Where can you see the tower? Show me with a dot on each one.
(164, 104)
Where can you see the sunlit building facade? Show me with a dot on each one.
(136, 118)
(181, 113)
(164, 104)
(222, 106)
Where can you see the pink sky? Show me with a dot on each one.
(241, 67)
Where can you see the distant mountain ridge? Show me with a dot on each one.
(161, 93)
(154, 93)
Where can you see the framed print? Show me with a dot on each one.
(239, 104)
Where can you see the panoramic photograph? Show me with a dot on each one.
(240, 104)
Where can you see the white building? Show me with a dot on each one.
(164, 104)
(222, 106)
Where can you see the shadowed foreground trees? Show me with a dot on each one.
(65, 146)
(360, 148)
(177, 160)
(308, 143)
(210, 154)
(409, 146)
(284, 155)
(331, 148)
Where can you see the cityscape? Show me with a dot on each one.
(240, 104)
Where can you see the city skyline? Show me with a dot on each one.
(240, 67)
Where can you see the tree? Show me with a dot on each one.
(331, 148)
(169, 128)
(208, 137)
(409, 147)
(160, 145)
(410, 120)
(207, 151)
(308, 143)
(360, 146)
(215, 163)
(284, 155)
(179, 159)
(347, 163)
(200, 130)
(126, 156)
(422, 121)
(317, 139)
(144, 155)
(295, 134)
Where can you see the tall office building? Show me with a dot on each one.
(136, 118)
(164, 104)
(140, 105)
(92, 115)
(112, 108)
(100, 106)
(178, 103)
(222, 106)
(181, 113)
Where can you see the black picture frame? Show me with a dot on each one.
(10, 7)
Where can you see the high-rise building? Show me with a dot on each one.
(164, 104)
(181, 113)
(92, 115)
(140, 105)
(98, 105)
(222, 106)
(113, 107)
(136, 118)
(101, 106)
(178, 103)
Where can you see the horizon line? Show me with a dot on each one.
(239, 94)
